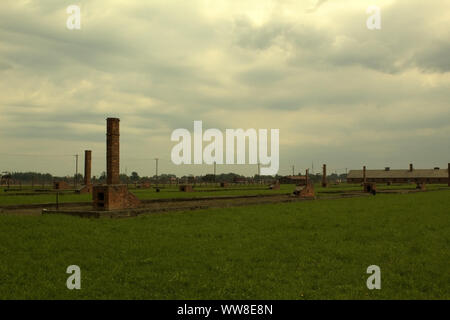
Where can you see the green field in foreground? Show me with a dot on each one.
(169, 193)
(303, 250)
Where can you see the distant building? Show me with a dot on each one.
(412, 175)
(240, 180)
(60, 185)
(297, 180)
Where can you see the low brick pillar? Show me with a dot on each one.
(370, 187)
(144, 185)
(60, 185)
(421, 186)
(186, 188)
(275, 186)
(114, 197)
(305, 192)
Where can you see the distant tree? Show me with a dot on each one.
(134, 176)
(102, 177)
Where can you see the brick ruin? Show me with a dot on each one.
(364, 174)
(186, 188)
(324, 176)
(87, 167)
(87, 188)
(368, 187)
(421, 186)
(275, 186)
(113, 195)
(306, 191)
(144, 185)
(60, 185)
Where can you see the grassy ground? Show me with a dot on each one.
(306, 250)
(172, 192)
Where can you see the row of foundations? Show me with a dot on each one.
(115, 196)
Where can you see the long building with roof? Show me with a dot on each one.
(411, 175)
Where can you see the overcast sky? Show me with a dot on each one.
(339, 93)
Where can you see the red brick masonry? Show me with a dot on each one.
(112, 150)
(61, 185)
(186, 188)
(305, 192)
(87, 167)
(113, 197)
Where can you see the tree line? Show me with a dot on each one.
(36, 178)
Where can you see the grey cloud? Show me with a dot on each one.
(261, 77)
(159, 67)
(316, 6)
(405, 41)
(249, 36)
(434, 57)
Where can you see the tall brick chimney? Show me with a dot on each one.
(411, 167)
(364, 174)
(87, 167)
(324, 176)
(112, 151)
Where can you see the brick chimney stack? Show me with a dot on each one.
(364, 174)
(411, 167)
(87, 167)
(324, 176)
(112, 151)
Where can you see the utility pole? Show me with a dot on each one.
(156, 161)
(259, 172)
(76, 170)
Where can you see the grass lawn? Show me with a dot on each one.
(305, 250)
(173, 192)
(144, 194)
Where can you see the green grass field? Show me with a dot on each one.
(304, 250)
(173, 193)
